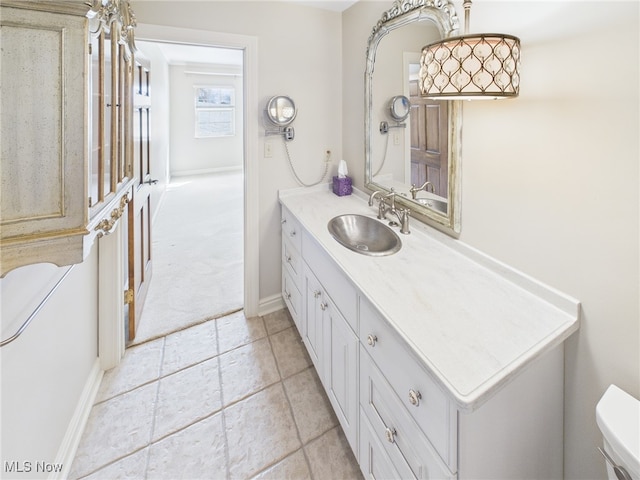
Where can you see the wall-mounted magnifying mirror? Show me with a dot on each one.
(400, 107)
(281, 111)
(421, 160)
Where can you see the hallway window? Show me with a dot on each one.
(215, 111)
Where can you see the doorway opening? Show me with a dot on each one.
(198, 213)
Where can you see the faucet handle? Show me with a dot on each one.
(404, 214)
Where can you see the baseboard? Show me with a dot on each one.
(71, 440)
(271, 304)
(186, 173)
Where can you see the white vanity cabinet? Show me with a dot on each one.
(292, 266)
(328, 333)
(323, 305)
(412, 417)
(457, 377)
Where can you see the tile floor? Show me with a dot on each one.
(228, 398)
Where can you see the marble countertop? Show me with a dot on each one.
(472, 321)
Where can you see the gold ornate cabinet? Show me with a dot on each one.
(66, 141)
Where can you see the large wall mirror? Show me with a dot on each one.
(418, 157)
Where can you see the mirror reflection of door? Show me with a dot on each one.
(429, 141)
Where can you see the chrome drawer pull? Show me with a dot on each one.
(372, 339)
(414, 397)
(391, 434)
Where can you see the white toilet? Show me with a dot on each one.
(618, 416)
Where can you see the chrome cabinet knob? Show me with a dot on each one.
(288, 258)
(323, 306)
(317, 293)
(390, 434)
(283, 221)
(414, 397)
(372, 339)
(292, 233)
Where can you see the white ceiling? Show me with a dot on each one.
(334, 5)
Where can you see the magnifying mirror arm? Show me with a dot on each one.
(287, 132)
(385, 127)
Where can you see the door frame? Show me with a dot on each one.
(249, 45)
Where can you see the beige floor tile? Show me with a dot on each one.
(132, 467)
(294, 467)
(190, 346)
(290, 352)
(140, 365)
(330, 456)
(197, 452)
(115, 428)
(246, 370)
(277, 321)
(236, 330)
(260, 432)
(311, 408)
(187, 396)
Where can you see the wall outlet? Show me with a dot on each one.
(396, 139)
(268, 150)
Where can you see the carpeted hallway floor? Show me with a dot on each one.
(198, 255)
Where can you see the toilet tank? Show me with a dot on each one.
(618, 417)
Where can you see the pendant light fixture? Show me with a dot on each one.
(471, 66)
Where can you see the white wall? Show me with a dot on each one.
(44, 371)
(550, 181)
(191, 155)
(299, 50)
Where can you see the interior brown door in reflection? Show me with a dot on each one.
(140, 253)
(429, 142)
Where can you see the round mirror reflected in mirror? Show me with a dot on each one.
(400, 108)
(281, 110)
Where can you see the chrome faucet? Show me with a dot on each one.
(383, 207)
(425, 186)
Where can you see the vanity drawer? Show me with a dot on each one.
(292, 261)
(339, 288)
(291, 229)
(292, 298)
(424, 401)
(375, 464)
(405, 443)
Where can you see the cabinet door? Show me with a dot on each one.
(315, 303)
(340, 370)
(43, 200)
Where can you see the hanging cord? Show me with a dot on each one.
(384, 155)
(326, 167)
